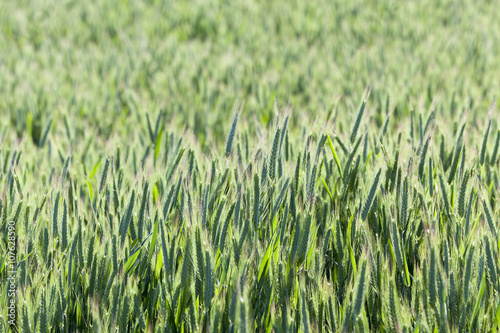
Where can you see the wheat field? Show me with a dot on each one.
(249, 166)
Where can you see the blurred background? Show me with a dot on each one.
(91, 65)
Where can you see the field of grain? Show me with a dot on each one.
(249, 166)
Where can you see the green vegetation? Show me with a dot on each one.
(248, 166)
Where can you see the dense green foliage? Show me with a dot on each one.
(159, 180)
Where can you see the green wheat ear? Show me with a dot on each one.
(304, 314)
(341, 144)
(432, 284)
(25, 319)
(354, 131)
(142, 211)
(396, 244)
(304, 241)
(127, 217)
(421, 165)
(360, 294)
(93, 276)
(256, 198)
(489, 218)
(274, 154)
(209, 285)
(404, 203)
(55, 230)
(370, 197)
(104, 175)
(64, 227)
(490, 264)
(43, 321)
(229, 143)
(483, 146)
(444, 195)
(461, 196)
(225, 227)
(124, 314)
